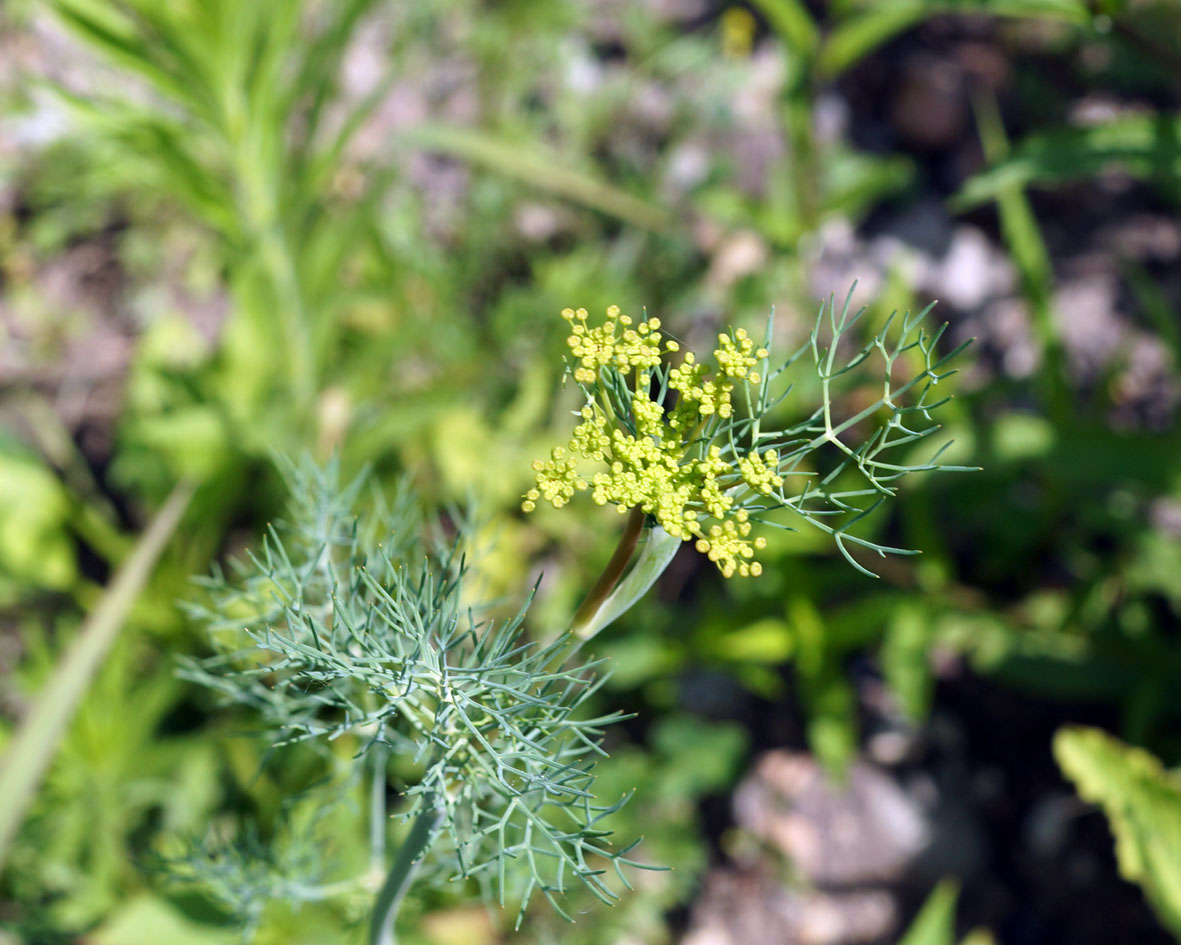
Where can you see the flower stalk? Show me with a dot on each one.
(584, 617)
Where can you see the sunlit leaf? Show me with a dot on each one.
(1143, 805)
(935, 923)
(1146, 145)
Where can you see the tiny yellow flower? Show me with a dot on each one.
(737, 32)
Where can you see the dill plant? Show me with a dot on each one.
(347, 624)
(358, 616)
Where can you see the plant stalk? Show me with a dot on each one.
(377, 812)
(32, 749)
(612, 573)
(401, 874)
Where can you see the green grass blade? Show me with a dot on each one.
(1024, 240)
(1017, 220)
(536, 167)
(117, 40)
(935, 923)
(866, 27)
(320, 64)
(165, 154)
(1146, 146)
(865, 31)
(1156, 307)
(792, 21)
(1074, 11)
(33, 747)
(147, 47)
(314, 167)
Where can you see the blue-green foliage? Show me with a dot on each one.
(367, 625)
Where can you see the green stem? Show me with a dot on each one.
(377, 814)
(32, 748)
(612, 573)
(258, 206)
(401, 874)
(291, 314)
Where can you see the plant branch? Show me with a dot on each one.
(612, 573)
(401, 874)
(377, 812)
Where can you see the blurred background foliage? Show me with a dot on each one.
(233, 228)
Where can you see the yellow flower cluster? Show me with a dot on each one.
(661, 468)
(760, 472)
(737, 356)
(557, 480)
(595, 348)
(729, 548)
(699, 397)
(702, 397)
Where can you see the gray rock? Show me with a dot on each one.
(971, 271)
(745, 907)
(868, 830)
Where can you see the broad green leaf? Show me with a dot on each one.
(768, 641)
(36, 549)
(1142, 802)
(854, 182)
(831, 726)
(1073, 11)
(1020, 437)
(150, 919)
(697, 757)
(194, 439)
